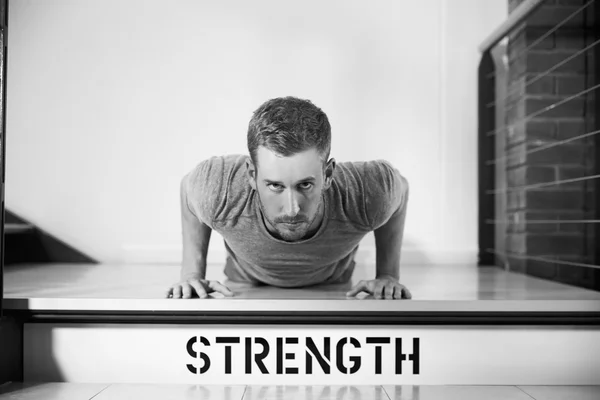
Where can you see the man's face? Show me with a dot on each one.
(289, 190)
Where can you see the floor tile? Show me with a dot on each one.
(431, 392)
(171, 392)
(563, 392)
(50, 391)
(308, 392)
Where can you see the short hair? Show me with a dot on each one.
(287, 126)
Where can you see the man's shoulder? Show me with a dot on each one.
(369, 189)
(218, 185)
(366, 164)
(213, 171)
(220, 164)
(365, 172)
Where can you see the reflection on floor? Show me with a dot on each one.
(84, 391)
(135, 281)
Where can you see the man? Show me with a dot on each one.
(288, 214)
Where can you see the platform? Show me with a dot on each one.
(149, 281)
(463, 325)
(442, 292)
(135, 287)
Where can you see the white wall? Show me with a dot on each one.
(110, 103)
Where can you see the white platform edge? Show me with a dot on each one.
(299, 305)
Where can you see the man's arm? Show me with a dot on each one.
(196, 237)
(389, 232)
(388, 244)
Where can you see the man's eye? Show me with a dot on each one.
(305, 185)
(274, 186)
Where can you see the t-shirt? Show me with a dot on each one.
(362, 197)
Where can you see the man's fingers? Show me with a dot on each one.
(379, 291)
(402, 292)
(199, 288)
(177, 291)
(397, 292)
(390, 289)
(186, 290)
(219, 287)
(168, 293)
(359, 287)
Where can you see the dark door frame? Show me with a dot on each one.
(3, 65)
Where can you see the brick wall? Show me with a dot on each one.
(532, 128)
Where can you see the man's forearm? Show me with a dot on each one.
(196, 268)
(193, 266)
(196, 236)
(388, 244)
(195, 250)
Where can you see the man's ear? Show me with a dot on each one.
(329, 169)
(251, 172)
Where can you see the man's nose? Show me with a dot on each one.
(292, 205)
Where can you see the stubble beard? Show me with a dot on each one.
(286, 235)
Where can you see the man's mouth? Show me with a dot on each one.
(292, 224)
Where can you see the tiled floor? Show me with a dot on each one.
(82, 391)
(425, 282)
(50, 391)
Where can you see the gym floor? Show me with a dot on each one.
(85, 391)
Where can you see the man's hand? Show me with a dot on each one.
(381, 288)
(193, 285)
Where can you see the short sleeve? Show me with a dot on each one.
(201, 188)
(387, 192)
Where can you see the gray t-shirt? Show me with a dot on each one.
(362, 197)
